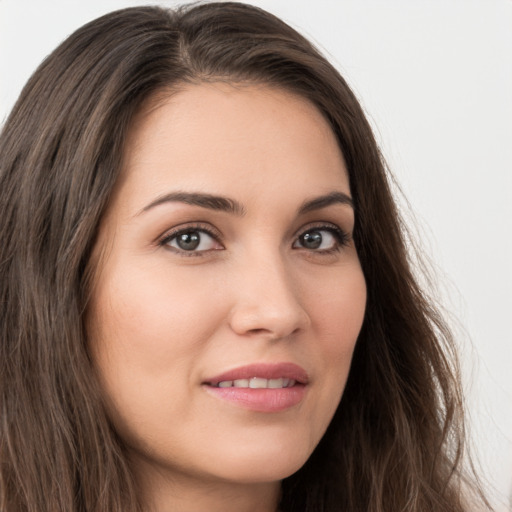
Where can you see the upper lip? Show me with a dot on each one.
(264, 371)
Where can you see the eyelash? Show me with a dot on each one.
(342, 238)
(171, 235)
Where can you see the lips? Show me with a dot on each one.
(257, 383)
(267, 388)
(262, 371)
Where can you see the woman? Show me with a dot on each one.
(199, 243)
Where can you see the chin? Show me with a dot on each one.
(264, 463)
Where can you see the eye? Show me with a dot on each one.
(191, 240)
(321, 239)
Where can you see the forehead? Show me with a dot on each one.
(221, 136)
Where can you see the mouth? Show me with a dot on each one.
(258, 383)
(261, 376)
(261, 387)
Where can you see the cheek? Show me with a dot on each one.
(337, 319)
(144, 336)
(338, 311)
(150, 316)
(146, 328)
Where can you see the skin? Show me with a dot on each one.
(163, 319)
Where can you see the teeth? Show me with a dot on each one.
(258, 383)
(276, 383)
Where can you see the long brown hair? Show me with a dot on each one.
(396, 440)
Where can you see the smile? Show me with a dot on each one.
(258, 383)
(261, 387)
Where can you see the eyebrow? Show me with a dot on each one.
(225, 204)
(326, 200)
(209, 201)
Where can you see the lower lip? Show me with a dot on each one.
(261, 400)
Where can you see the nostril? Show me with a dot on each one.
(267, 306)
(257, 331)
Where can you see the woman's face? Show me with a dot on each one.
(229, 295)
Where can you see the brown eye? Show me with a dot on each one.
(192, 240)
(312, 240)
(188, 241)
(320, 239)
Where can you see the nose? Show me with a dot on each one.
(267, 300)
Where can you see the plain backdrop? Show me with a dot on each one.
(435, 78)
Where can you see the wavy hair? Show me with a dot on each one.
(396, 440)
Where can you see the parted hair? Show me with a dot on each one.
(396, 440)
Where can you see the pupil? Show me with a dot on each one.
(188, 241)
(312, 240)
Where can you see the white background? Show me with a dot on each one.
(435, 78)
